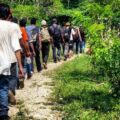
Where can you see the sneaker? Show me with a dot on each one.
(29, 76)
(65, 58)
(59, 59)
(11, 98)
(45, 66)
(55, 61)
(21, 83)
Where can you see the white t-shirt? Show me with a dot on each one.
(72, 33)
(9, 43)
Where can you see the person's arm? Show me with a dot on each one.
(25, 42)
(32, 47)
(40, 40)
(18, 56)
(17, 49)
(27, 49)
(62, 35)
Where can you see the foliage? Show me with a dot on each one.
(25, 11)
(82, 93)
(106, 59)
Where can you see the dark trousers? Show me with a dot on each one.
(56, 51)
(13, 78)
(45, 51)
(4, 88)
(37, 57)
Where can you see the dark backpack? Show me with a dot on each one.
(34, 33)
(67, 33)
(35, 37)
(56, 32)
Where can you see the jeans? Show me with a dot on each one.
(56, 54)
(45, 51)
(4, 88)
(32, 63)
(26, 66)
(79, 45)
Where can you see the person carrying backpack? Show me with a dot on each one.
(34, 41)
(45, 43)
(55, 32)
(67, 36)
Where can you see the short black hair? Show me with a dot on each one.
(23, 22)
(54, 20)
(15, 20)
(33, 21)
(5, 11)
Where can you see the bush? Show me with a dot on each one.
(106, 60)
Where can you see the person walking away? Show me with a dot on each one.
(14, 67)
(9, 50)
(34, 40)
(78, 40)
(55, 32)
(45, 39)
(67, 36)
(26, 60)
(83, 39)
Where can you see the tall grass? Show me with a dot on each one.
(83, 94)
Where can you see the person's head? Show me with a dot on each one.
(33, 21)
(44, 23)
(67, 25)
(5, 12)
(14, 19)
(54, 21)
(23, 22)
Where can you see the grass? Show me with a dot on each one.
(83, 94)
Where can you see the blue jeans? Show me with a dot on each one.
(4, 88)
(27, 67)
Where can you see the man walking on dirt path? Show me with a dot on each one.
(34, 40)
(9, 50)
(45, 43)
(55, 33)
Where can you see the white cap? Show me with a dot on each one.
(43, 22)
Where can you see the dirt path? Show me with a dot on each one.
(35, 99)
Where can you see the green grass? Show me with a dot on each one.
(83, 94)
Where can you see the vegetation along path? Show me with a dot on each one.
(34, 102)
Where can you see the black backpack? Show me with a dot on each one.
(67, 33)
(34, 33)
(56, 32)
(35, 37)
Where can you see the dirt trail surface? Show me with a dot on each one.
(35, 98)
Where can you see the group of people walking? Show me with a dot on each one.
(21, 44)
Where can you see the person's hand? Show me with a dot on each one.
(21, 72)
(34, 54)
(28, 54)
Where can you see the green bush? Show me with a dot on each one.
(106, 60)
